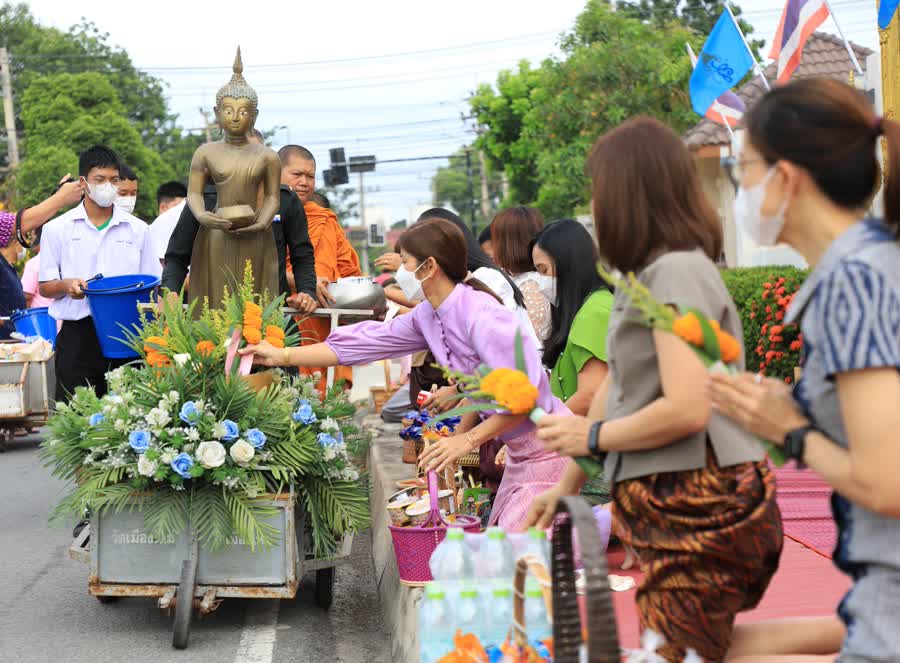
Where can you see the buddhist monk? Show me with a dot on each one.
(335, 257)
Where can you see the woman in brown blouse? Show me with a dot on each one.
(692, 492)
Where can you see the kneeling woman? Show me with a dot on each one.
(465, 326)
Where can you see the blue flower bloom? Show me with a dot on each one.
(256, 437)
(96, 419)
(305, 414)
(139, 440)
(231, 430)
(190, 414)
(326, 440)
(339, 437)
(182, 464)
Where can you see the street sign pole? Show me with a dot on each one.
(362, 218)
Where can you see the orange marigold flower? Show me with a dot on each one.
(206, 348)
(511, 389)
(275, 341)
(274, 330)
(251, 320)
(157, 359)
(252, 335)
(688, 328)
(156, 340)
(252, 308)
(729, 347)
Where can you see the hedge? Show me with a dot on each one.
(762, 294)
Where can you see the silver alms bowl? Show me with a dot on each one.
(360, 293)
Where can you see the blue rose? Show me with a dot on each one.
(326, 440)
(96, 419)
(305, 414)
(256, 437)
(139, 440)
(231, 430)
(182, 464)
(190, 414)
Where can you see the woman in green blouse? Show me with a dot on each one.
(566, 258)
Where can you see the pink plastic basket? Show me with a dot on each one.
(413, 545)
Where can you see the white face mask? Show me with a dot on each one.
(126, 203)
(763, 230)
(103, 194)
(411, 286)
(547, 286)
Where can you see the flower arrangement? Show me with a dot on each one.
(182, 440)
(716, 349)
(779, 347)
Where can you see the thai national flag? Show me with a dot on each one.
(799, 20)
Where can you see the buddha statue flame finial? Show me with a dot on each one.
(237, 87)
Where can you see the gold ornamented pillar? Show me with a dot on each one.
(890, 67)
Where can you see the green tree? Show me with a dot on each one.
(540, 123)
(344, 202)
(451, 187)
(64, 114)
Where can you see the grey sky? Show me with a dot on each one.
(393, 107)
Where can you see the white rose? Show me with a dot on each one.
(174, 395)
(181, 359)
(167, 457)
(146, 467)
(211, 454)
(329, 424)
(242, 452)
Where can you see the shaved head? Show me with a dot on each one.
(289, 152)
(298, 170)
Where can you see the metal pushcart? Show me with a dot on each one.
(26, 389)
(125, 560)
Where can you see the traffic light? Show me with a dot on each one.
(338, 173)
(375, 236)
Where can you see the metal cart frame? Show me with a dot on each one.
(26, 395)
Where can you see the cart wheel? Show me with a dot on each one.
(325, 587)
(105, 600)
(184, 606)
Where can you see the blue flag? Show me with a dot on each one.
(723, 62)
(886, 9)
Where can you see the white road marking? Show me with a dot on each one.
(257, 643)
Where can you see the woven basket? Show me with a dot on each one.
(413, 545)
(411, 451)
(471, 459)
(602, 636)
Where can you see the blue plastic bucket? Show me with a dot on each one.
(35, 322)
(114, 304)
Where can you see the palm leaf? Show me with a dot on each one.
(210, 516)
(248, 518)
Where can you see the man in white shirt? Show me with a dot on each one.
(97, 237)
(170, 196)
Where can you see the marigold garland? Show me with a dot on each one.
(252, 329)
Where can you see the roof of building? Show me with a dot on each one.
(824, 55)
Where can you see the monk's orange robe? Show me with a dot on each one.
(335, 258)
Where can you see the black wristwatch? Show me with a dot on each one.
(594, 441)
(795, 443)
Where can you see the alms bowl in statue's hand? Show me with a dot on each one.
(240, 216)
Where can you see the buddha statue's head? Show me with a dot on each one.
(236, 102)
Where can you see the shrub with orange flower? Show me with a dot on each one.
(205, 348)
(778, 347)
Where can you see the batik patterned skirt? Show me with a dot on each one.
(709, 541)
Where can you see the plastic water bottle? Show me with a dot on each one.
(537, 624)
(498, 612)
(436, 628)
(538, 545)
(495, 558)
(450, 561)
(468, 613)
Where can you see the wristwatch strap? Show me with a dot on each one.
(795, 444)
(594, 441)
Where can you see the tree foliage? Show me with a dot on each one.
(452, 188)
(541, 122)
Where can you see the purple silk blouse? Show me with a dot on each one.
(469, 329)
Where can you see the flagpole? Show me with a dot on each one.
(846, 43)
(716, 104)
(756, 64)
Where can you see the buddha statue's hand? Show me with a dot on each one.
(210, 220)
(255, 227)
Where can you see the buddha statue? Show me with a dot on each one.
(246, 177)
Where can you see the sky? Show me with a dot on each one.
(388, 79)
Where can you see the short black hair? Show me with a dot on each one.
(125, 173)
(320, 200)
(485, 235)
(170, 191)
(98, 156)
(289, 152)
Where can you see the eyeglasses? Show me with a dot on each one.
(735, 168)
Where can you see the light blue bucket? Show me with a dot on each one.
(35, 322)
(114, 304)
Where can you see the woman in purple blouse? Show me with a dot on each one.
(465, 326)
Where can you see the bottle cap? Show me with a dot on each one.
(455, 533)
(469, 593)
(538, 534)
(496, 533)
(533, 589)
(434, 590)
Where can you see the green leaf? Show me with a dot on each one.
(520, 353)
(710, 340)
(590, 466)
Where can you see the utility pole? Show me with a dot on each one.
(471, 192)
(362, 219)
(485, 194)
(9, 113)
